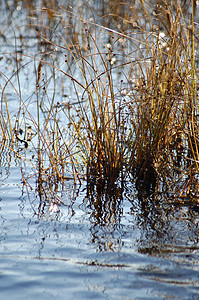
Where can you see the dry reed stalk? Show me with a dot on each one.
(153, 134)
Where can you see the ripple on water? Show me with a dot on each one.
(45, 256)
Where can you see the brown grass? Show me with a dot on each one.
(146, 128)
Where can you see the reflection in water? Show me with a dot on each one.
(51, 195)
(167, 227)
(116, 222)
(155, 224)
(105, 206)
(120, 217)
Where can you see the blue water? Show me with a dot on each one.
(64, 254)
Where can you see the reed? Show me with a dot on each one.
(139, 125)
(99, 120)
(166, 112)
(153, 134)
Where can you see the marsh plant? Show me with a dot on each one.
(133, 114)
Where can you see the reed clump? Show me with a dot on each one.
(133, 114)
(181, 80)
(153, 133)
(164, 105)
(99, 120)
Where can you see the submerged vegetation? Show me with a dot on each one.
(130, 108)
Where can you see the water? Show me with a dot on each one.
(69, 255)
(63, 246)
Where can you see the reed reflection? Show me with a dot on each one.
(106, 212)
(158, 225)
(167, 225)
